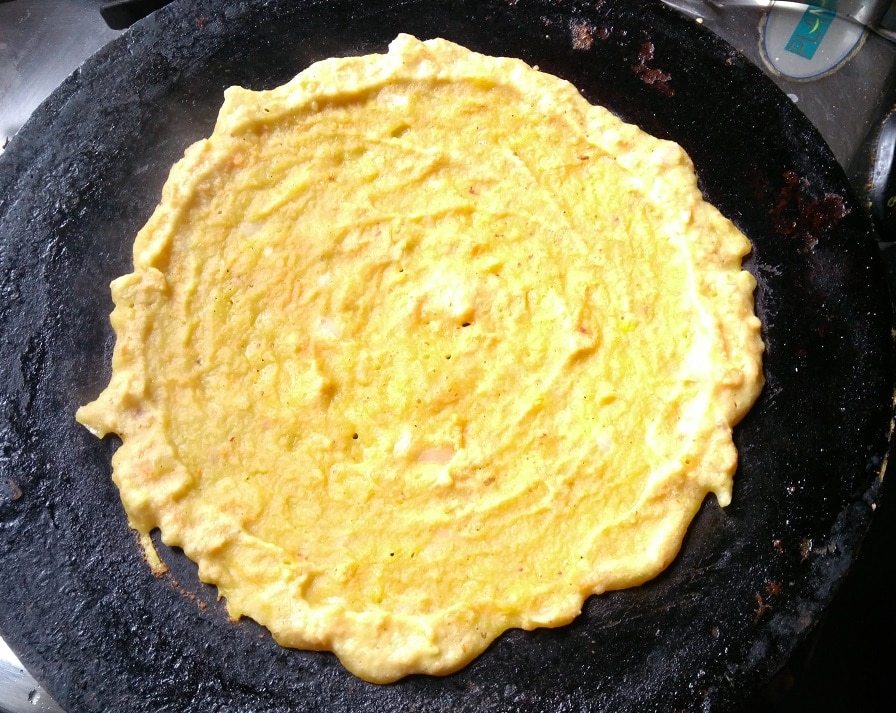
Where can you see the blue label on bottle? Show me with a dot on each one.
(811, 29)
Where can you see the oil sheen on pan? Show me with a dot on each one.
(420, 347)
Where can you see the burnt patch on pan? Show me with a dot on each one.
(764, 601)
(651, 76)
(582, 34)
(803, 218)
(10, 495)
(9, 491)
(761, 607)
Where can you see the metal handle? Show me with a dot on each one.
(864, 12)
(882, 182)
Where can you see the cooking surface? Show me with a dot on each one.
(836, 664)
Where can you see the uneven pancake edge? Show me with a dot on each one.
(270, 384)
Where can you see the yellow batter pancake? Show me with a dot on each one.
(420, 347)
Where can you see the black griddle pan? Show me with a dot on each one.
(102, 633)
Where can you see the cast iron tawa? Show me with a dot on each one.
(94, 625)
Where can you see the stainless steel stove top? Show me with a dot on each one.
(836, 61)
